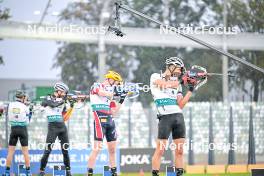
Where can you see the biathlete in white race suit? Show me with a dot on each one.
(103, 107)
(169, 100)
(19, 115)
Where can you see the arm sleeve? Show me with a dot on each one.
(7, 110)
(179, 91)
(29, 113)
(1, 111)
(51, 103)
(154, 88)
(67, 113)
(153, 78)
(95, 88)
(112, 104)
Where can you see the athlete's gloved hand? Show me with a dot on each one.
(189, 82)
(191, 87)
(123, 97)
(65, 98)
(1, 111)
(31, 107)
(117, 91)
(72, 104)
(186, 80)
(71, 101)
(183, 79)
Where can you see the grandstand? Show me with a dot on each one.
(134, 133)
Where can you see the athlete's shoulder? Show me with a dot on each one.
(16, 103)
(154, 77)
(48, 98)
(179, 89)
(11, 103)
(96, 85)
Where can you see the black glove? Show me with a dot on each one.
(65, 98)
(191, 87)
(71, 104)
(31, 108)
(71, 101)
(1, 112)
(122, 98)
(117, 91)
(184, 79)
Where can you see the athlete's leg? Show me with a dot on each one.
(26, 156)
(11, 151)
(160, 148)
(27, 161)
(98, 143)
(23, 137)
(13, 138)
(111, 137)
(178, 134)
(97, 147)
(164, 130)
(179, 155)
(112, 156)
(51, 137)
(64, 140)
(179, 152)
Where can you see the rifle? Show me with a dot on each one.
(2, 110)
(132, 90)
(198, 76)
(77, 96)
(73, 97)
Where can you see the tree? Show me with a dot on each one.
(138, 63)
(4, 14)
(1, 60)
(248, 17)
(77, 60)
(152, 59)
(78, 65)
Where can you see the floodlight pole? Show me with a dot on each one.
(224, 58)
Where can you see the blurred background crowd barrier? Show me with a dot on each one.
(211, 128)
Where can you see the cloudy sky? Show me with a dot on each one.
(30, 58)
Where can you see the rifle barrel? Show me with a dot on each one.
(220, 74)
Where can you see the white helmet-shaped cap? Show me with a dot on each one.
(20, 94)
(61, 86)
(174, 61)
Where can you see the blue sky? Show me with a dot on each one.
(30, 58)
